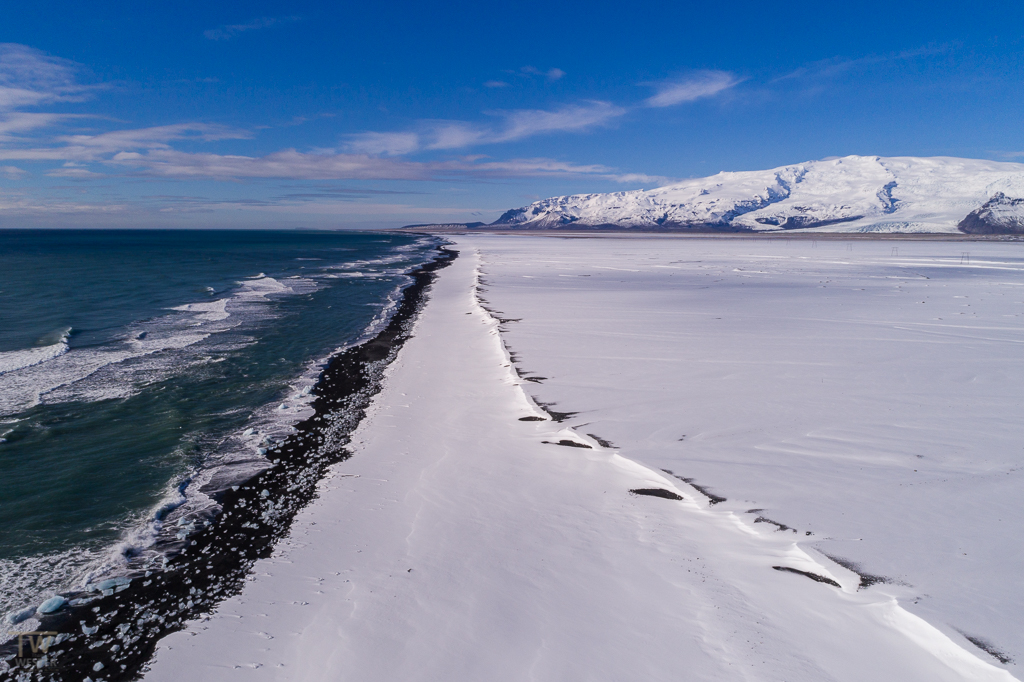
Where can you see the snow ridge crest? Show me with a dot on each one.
(848, 194)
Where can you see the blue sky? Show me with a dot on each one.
(365, 114)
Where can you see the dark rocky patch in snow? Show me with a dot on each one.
(532, 419)
(813, 576)
(988, 648)
(713, 499)
(866, 579)
(568, 443)
(604, 443)
(762, 519)
(656, 492)
(555, 415)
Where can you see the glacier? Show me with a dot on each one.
(848, 194)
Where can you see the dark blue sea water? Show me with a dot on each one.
(133, 361)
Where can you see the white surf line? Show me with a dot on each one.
(457, 545)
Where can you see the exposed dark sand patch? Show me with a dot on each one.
(656, 492)
(988, 648)
(568, 443)
(604, 443)
(762, 519)
(119, 628)
(813, 576)
(555, 415)
(713, 499)
(866, 579)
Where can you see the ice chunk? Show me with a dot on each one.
(15, 617)
(119, 583)
(52, 604)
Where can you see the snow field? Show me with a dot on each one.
(864, 395)
(456, 544)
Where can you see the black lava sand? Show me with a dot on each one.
(813, 576)
(113, 635)
(656, 492)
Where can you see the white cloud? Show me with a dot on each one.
(456, 135)
(528, 122)
(91, 148)
(515, 125)
(696, 86)
(384, 144)
(292, 164)
(288, 163)
(73, 173)
(29, 77)
(835, 67)
(230, 31)
(155, 137)
(533, 168)
(641, 179)
(22, 122)
(26, 206)
(550, 74)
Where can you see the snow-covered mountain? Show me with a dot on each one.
(849, 194)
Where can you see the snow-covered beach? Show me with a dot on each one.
(856, 406)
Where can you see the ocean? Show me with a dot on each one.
(133, 364)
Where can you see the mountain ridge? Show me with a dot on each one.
(847, 194)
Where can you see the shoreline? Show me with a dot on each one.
(475, 537)
(209, 561)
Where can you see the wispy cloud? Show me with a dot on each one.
(838, 66)
(155, 137)
(293, 164)
(516, 124)
(88, 148)
(641, 179)
(693, 87)
(231, 30)
(456, 135)
(29, 77)
(496, 84)
(321, 193)
(573, 118)
(384, 144)
(16, 124)
(550, 74)
(73, 172)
